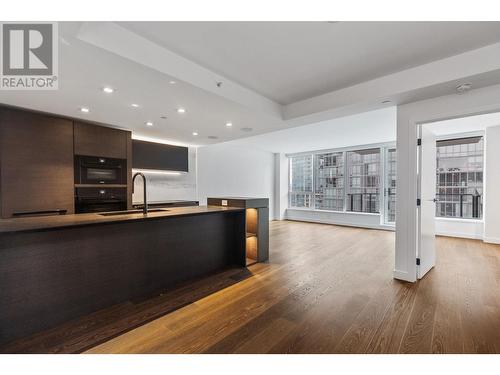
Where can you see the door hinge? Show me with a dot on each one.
(419, 142)
(418, 261)
(418, 202)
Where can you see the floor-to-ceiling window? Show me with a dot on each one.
(459, 187)
(343, 181)
(301, 181)
(390, 185)
(363, 171)
(329, 181)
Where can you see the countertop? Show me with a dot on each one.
(39, 223)
(167, 203)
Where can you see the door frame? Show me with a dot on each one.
(476, 102)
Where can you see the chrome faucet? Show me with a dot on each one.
(145, 207)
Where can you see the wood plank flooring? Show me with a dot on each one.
(329, 289)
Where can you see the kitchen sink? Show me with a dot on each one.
(129, 212)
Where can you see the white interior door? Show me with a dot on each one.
(426, 249)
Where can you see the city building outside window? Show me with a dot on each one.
(459, 189)
(301, 181)
(363, 171)
(329, 181)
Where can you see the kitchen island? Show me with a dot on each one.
(57, 268)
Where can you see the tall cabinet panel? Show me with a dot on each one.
(36, 164)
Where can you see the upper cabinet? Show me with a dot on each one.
(36, 164)
(97, 140)
(150, 155)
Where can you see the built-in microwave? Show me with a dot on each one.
(92, 170)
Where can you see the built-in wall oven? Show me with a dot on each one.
(97, 199)
(92, 170)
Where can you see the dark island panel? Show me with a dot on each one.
(50, 277)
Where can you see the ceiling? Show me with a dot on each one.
(366, 128)
(292, 61)
(467, 124)
(261, 65)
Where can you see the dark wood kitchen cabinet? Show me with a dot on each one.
(98, 140)
(36, 163)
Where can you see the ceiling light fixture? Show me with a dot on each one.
(108, 90)
(229, 124)
(246, 129)
(149, 123)
(195, 133)
(84, 110)
(463, 88)
(386, 102)
(173, 82)
(181, 110)
(134, 105)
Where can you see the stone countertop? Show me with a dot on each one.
(40, 223)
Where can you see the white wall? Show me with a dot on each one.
(361, 220)
(492, 186)
(461, 228)
(162, 187)
(227, 169)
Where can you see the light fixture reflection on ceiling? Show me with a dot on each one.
(149, 123)
(84, 110)
(108, 90)
(181, 110)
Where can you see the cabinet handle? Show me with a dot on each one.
(44, 212)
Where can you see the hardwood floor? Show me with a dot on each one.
(329, 289)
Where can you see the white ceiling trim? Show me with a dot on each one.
(120, 41)
(471, 63)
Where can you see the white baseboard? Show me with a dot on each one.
(404, 276)
(494, 240)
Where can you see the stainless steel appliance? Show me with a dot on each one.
(91, 170)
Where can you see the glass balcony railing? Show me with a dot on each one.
(465, 206)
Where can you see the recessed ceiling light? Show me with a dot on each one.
(195, 133)
(134, 105)
(246, 129)
(84, 110)
(181, 110)
(386, 102)
(229, 124)
(149, 123)
(163, 117)
(108, 90)
(212, 137)
(173, 82)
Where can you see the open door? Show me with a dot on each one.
(426, 248)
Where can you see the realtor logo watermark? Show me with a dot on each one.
(29, 56)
